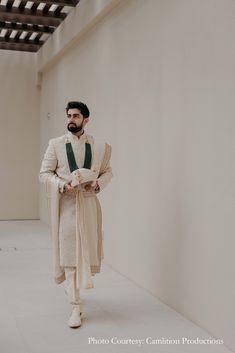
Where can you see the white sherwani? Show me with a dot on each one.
(75, 218)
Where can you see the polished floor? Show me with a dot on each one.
(119, 316)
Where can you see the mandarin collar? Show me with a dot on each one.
(73, 137)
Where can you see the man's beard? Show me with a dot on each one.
(74, 128)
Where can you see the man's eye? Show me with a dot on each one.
(75, 116)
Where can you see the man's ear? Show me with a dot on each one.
(86, 120)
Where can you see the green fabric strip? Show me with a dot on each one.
(71, 158)
(87, 162)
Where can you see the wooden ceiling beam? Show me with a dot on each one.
(59, 2)
(26, 16)
(22, 5)
(26, 11)
(9, 4)
(7, 34)
(26, 38)
(28, 47)
(46, 9)
(58, 10)
(25, 27)
(17, 36)
(75, 2)
(30, 20)
(19, 41)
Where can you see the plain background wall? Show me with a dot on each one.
(19, 136)
(158, 76)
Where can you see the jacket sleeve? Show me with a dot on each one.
(49, 165)
(105, 174)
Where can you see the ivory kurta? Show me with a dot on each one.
(76, 218)
(67, 231)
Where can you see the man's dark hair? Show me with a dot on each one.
(79, 105)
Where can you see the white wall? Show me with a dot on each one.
(19, 136)
(158, 76)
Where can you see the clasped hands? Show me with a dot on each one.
(88, 187)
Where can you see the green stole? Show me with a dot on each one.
(71, 158)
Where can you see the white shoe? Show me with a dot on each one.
(75, 318)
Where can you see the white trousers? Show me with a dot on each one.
(72, 292)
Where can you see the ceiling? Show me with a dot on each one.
(26, 25)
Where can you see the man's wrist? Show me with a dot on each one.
(62, 186)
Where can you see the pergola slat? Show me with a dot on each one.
(26, 16)
(19, 46)
(17, 36)
(25, 27)
(21, 41)
(59, 2)
(33, 20)
(7, 34)
(46, 9)
(58, 10)
(9, 4)
(37, 38)
(28, 35)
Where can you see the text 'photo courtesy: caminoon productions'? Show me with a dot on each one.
(150, 340)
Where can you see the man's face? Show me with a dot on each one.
(76, 121)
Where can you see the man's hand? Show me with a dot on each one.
(68, 187)
(89, 187)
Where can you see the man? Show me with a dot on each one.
(74, 169)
